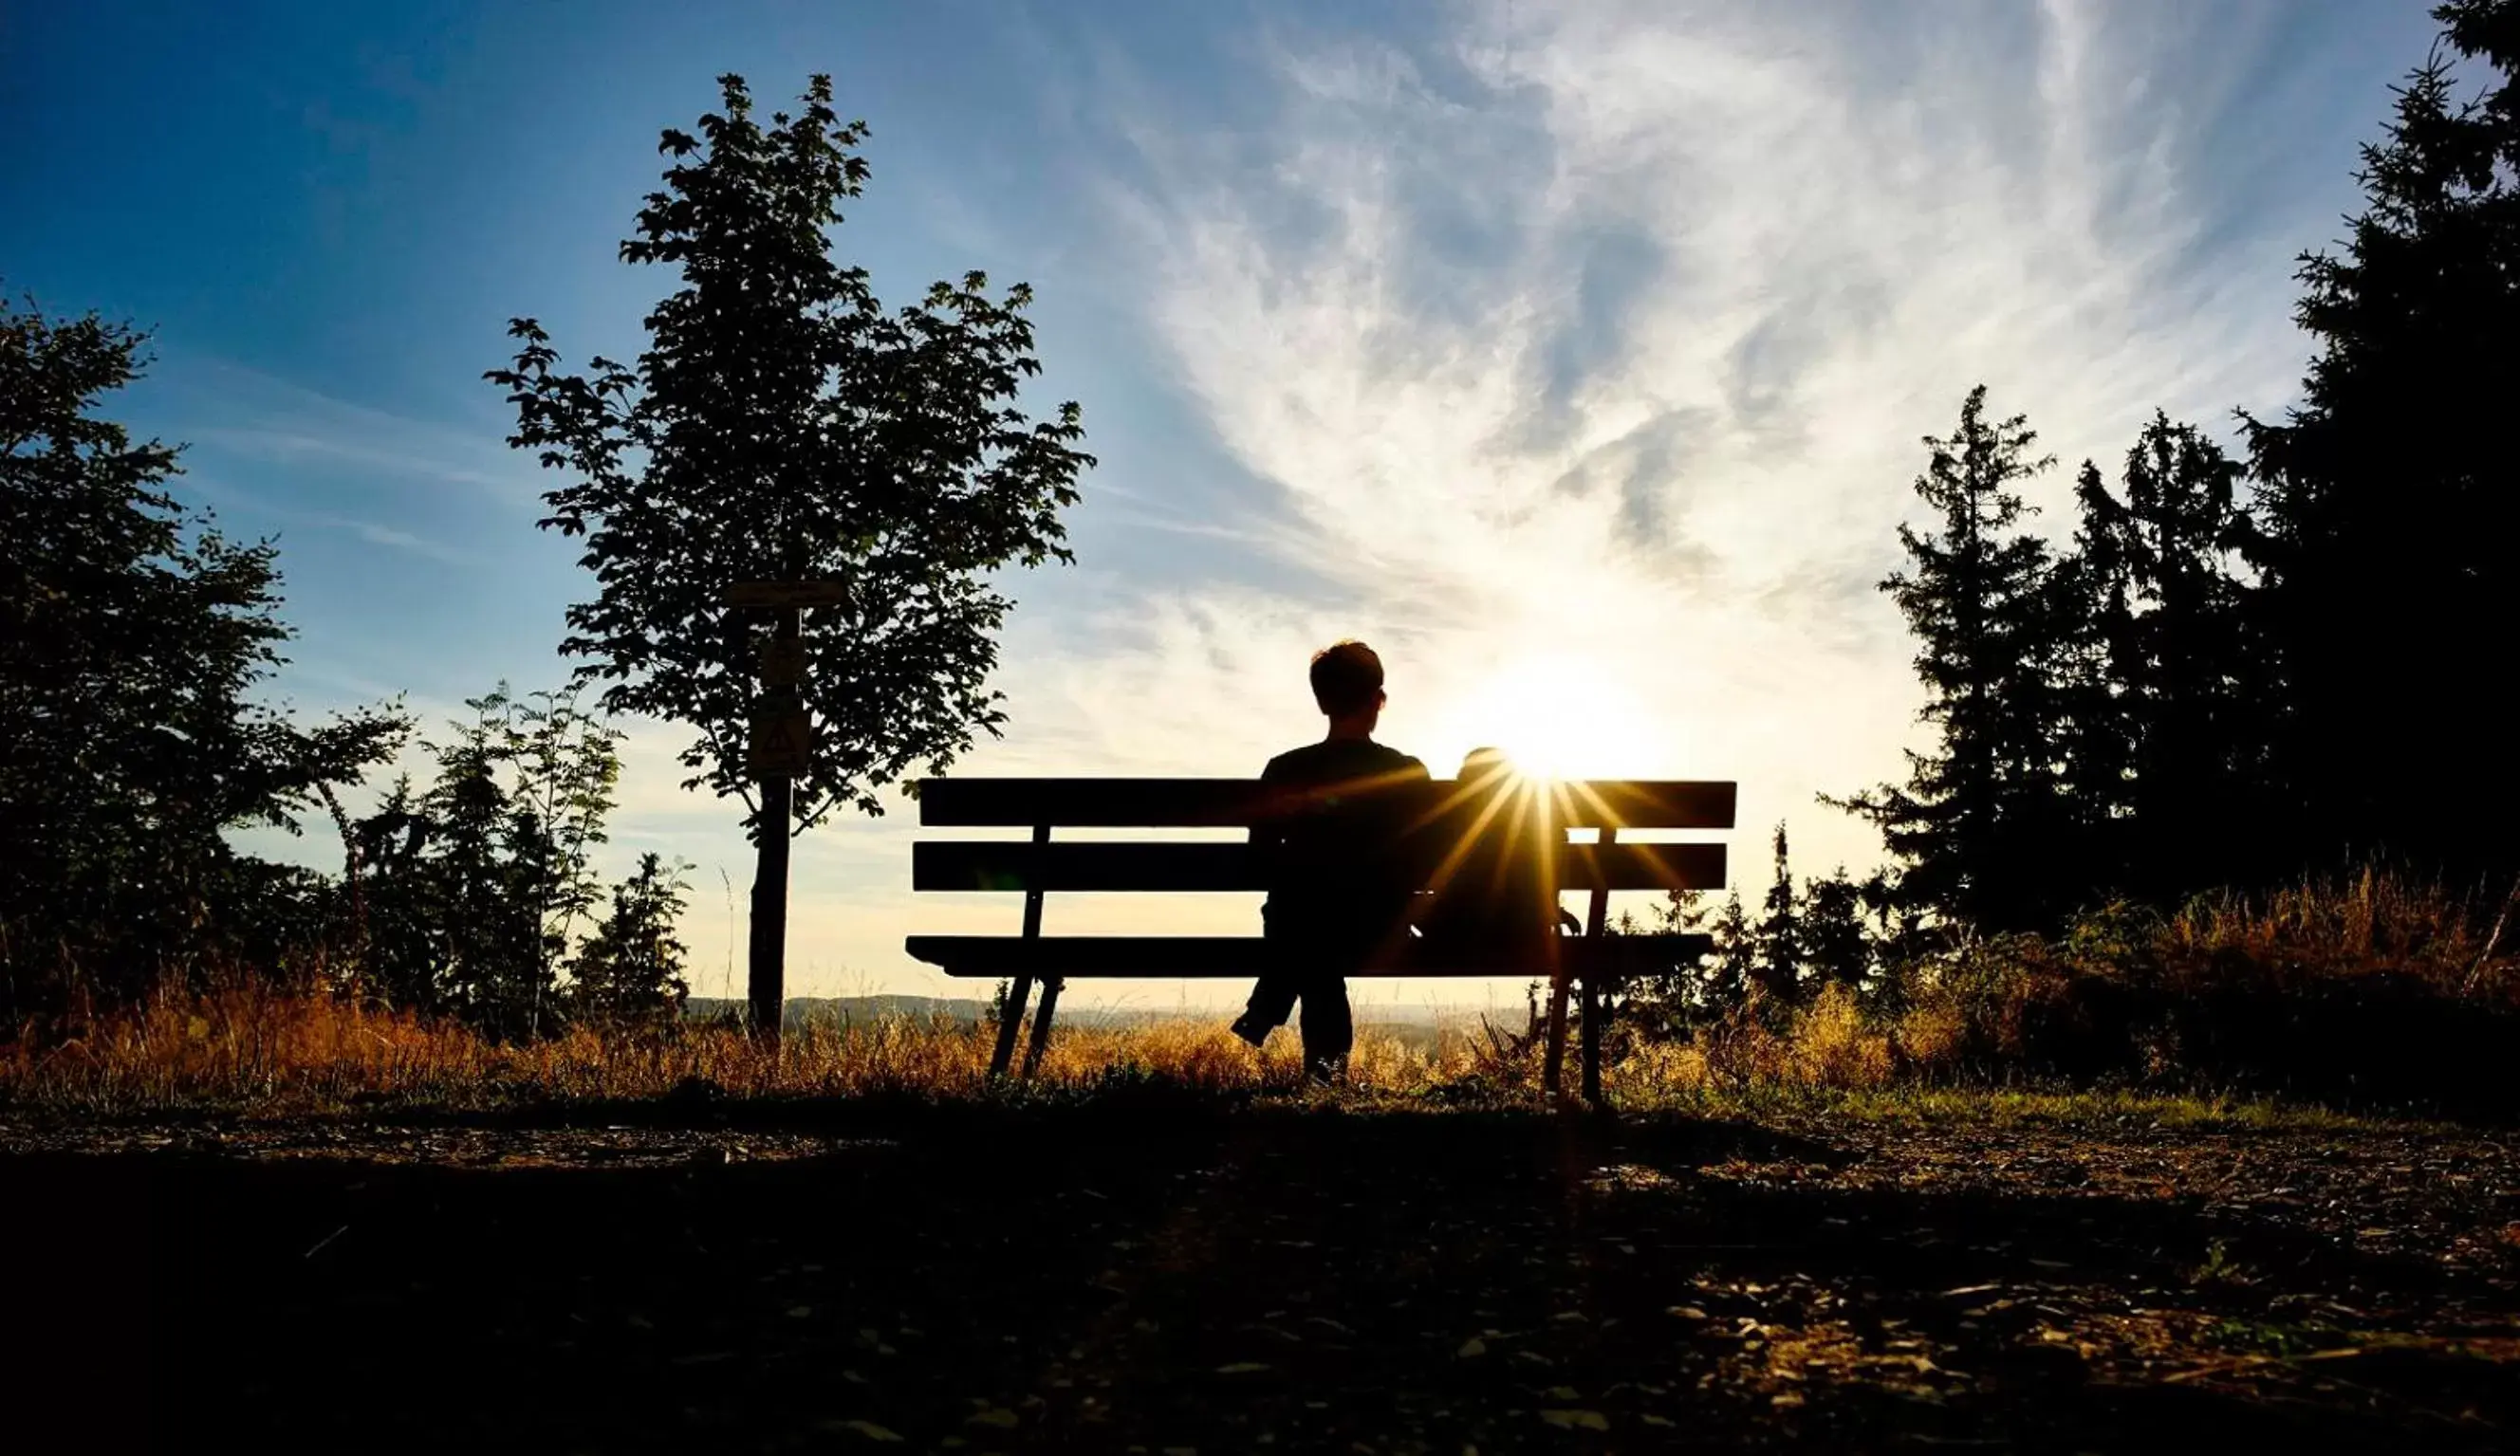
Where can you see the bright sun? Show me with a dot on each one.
(1557, 717)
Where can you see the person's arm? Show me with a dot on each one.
(1269, 834)
(1414, 856)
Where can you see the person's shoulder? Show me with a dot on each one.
(1291, 762)
(1394, 762)
(1340, 759)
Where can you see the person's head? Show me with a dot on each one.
(1347, 684)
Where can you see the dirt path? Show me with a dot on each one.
(1109, 1279)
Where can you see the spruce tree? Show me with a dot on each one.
(632, 968)
(1835, 943)
(2162, 721)
(1979, 824)
(2388, 493)
(2098, 746)
(1780, 933)
(1736, 967)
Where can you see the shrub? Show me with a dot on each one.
(2373, 990)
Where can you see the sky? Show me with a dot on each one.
(1575, 356)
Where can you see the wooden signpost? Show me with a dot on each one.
(778, 752)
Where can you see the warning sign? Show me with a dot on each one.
(783, 742)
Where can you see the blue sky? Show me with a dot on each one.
(1575, 355)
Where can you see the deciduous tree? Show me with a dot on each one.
(782, 426)
(133, 637)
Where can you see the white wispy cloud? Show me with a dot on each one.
(1603, 334)
(377, 533)
(1581, 353)
(251, 416)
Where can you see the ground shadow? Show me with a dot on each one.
(1090, 1278)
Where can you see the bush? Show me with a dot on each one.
(2375, 990)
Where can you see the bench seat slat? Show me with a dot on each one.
(970, 864)
(1231, 958)
(1238, 803)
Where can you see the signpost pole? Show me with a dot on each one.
(780, 751)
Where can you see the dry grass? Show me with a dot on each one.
(251, 1048)
(2369, 989)
(2366, 992)
(259, 1053)
(2373, 924)
(2370, 992)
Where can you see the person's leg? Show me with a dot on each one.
(1330, 1027)
(1272, 1001)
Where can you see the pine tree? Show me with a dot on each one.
(1836, 944)
(2387, 493)
(1779, 935)
(1979, 825)
(485, 928)
(2163, 723)
(633, 968)
(2099, 739)
(1736, 956)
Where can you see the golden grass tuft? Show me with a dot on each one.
(255, 1048)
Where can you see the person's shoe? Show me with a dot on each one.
(1250, 1032)
(1327, 1072)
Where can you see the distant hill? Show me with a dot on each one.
(1413, 1025)
(847, 1010)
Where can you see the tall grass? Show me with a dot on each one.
(255, 1047)
(2369, 993)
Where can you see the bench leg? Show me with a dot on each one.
(1010, 1021)
(1591, 1036)
(1553, 1066)
(1021, 991)
(1050, 988)
(1597, 959)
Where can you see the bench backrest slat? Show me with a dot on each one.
(1238, 803)
(963, 864)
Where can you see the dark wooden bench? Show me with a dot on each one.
(1591, 961)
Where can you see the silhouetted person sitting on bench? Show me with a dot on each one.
(1339, 885)
(1488, 861)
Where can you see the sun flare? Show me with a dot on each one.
(1556, 718)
